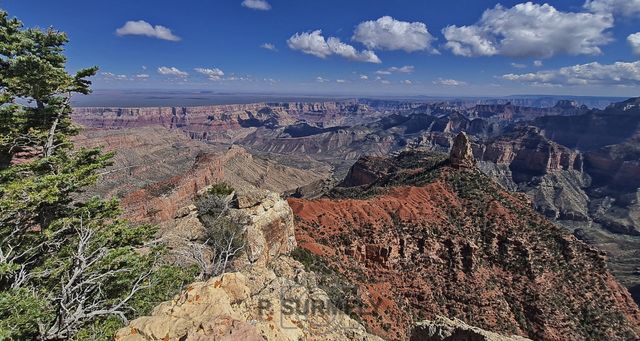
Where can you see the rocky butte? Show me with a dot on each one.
(431, 235)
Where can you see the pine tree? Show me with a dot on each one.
(66, 266)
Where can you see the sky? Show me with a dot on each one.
(359, 47)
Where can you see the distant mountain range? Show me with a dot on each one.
(156, 98)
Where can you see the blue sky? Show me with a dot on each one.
(453, 47)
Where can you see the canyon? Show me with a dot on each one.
(417, 235)
(429, 237)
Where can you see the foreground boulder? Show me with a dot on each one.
(277, 303)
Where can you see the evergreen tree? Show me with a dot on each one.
(67, 267)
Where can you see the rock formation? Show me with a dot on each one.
(461, 155)
(261, 304)
(270, 231)
(582, 171)
(157, 171)
(269, 296)
(449, 241)
(444, 329)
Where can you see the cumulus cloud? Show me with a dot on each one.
(142, 76)
(113, 76)
(407, 82)
(619, 73)
(213, 74)
(364, 77)
(269, 46)
(321, 80)
(530, 30)
(384, 81)
(449, 82)
(626, 8)
(340, 81)
(387, 33)
(537, 63)
(143, 28)
(315, 44)
(518, 66)
(171, 71)
(634, 41)
(260, 5)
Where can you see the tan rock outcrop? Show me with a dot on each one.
(270, 231)
(444, 329)
(269, 228)
(275, 303)
(270, 297)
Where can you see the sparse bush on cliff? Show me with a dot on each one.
(223, 239)
(65, 266)
(221, 188)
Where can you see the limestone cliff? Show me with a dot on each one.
(270, 296)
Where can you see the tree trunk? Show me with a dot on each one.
(48, 148)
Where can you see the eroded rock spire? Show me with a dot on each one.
(461, 154)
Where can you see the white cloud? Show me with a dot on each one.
(384, 81)
(619, 73)
(634, 41)
(213, 74)
(449, 82)
(143, 28)
(142, 76)
(260, 5)
(406, 82)
(171, 71)
(518, 66)
(314, 43)
(340, 81)
(626, 8)
(364, 77)
(144, 67)
(387, 33)
(537, 63)
(232, 78)
(269, 46)
(394, 69)
(530, 30)
(321, 80)
(113, 76)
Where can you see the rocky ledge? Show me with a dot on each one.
(263, 303)
(270, 296)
